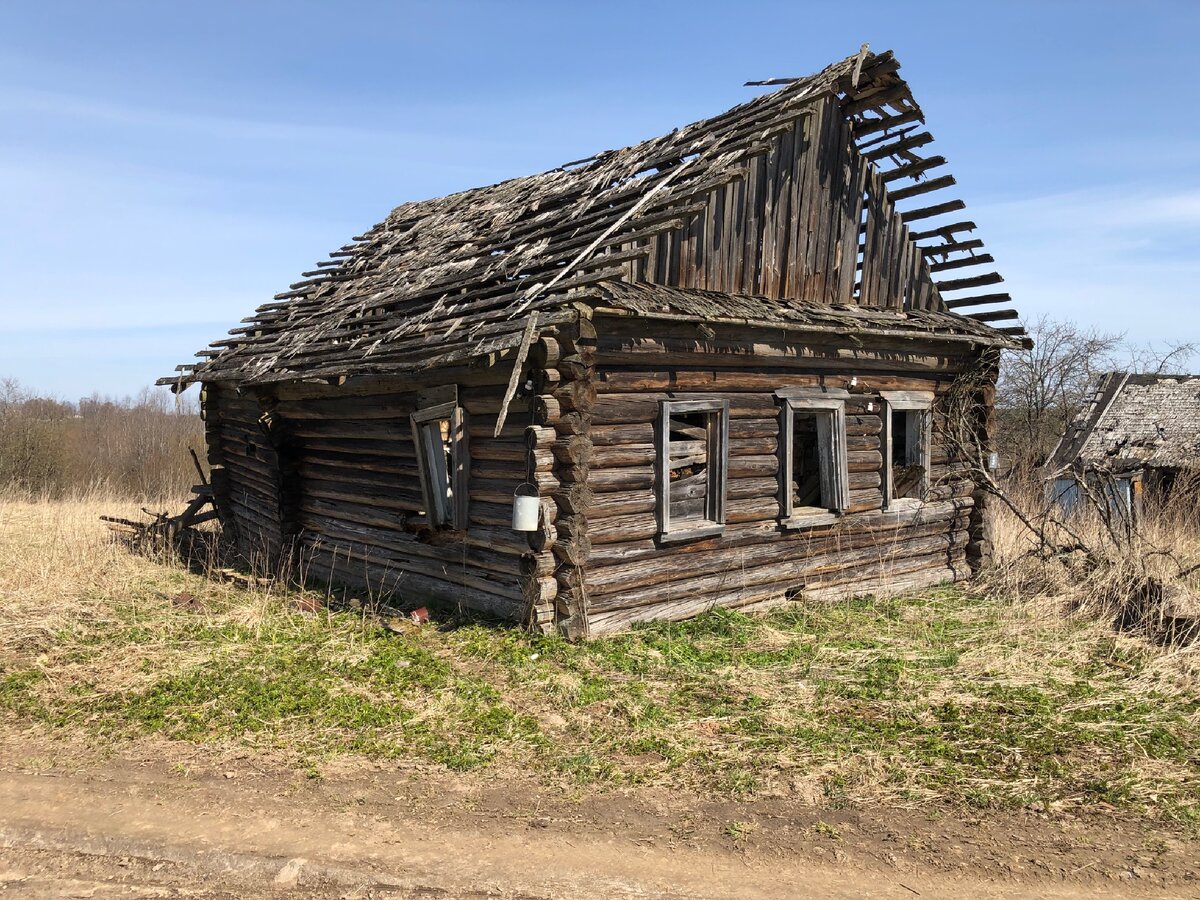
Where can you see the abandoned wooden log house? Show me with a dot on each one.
(1136, 437)
(717, 358)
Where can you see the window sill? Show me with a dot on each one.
(689, 534)
(811, 520)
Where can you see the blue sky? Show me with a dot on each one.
(166, 167)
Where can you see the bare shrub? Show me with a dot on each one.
(132, 447)
(1141, 573)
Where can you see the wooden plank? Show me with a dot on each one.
(923, 187)
(978, 300)
(518, 364)
(929, 212)
(963, 263)
(958, 284)
(999, 315)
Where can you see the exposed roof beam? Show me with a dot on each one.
(999, 315)
(958, 284)
(912, 170)
(961, 263)
(907, 143)
(922, 187)
(978, 300)
(929, 212)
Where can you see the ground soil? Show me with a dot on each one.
(162, 820)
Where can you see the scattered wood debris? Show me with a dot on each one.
(166, 530)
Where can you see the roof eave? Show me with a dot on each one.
(998, 339)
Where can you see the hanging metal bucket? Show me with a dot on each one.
(526, 507)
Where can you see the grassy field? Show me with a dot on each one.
(944, 697)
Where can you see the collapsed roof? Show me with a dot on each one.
(450, 279)
(1134, 421)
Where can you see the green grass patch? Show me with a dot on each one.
(942, 697)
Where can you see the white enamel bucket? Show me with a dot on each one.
(526, 508)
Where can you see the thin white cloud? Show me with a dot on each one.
(1123, 258)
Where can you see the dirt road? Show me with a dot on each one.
(162, 820)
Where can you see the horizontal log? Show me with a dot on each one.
(502, 490)
(913, 169)
(910, 142)
(921, 573)
(979, 300)
(856, 361)
(394, 476)
(575, 450)
(407, 551)
(404, 501)
(630, 478)
(738, 535)
(573, 498)
(799, 546)
(788, 573)
(961, 263)
(377, 576)
(998, 315)
(391, 430)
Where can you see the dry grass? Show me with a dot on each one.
(1136, 575)
(945, 697)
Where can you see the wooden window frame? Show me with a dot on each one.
(718, 469)
(907, 401)
(835, 474)
(441, 511)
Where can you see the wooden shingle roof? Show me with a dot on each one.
(1134, 421)
(445, 280)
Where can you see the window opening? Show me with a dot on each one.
(813, 451)
(439, 434)
(907, 442)
(811, 488)
(693, 455)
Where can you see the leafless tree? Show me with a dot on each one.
(1044, 387)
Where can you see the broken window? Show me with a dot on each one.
(813, 453)
(693, 451)
(439, 435)
(906, 445)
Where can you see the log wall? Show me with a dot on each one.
(343, 490)
(630, 577)
(333, 478)
(246, 473)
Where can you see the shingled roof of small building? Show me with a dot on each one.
(1134, 421)
(445, 280)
